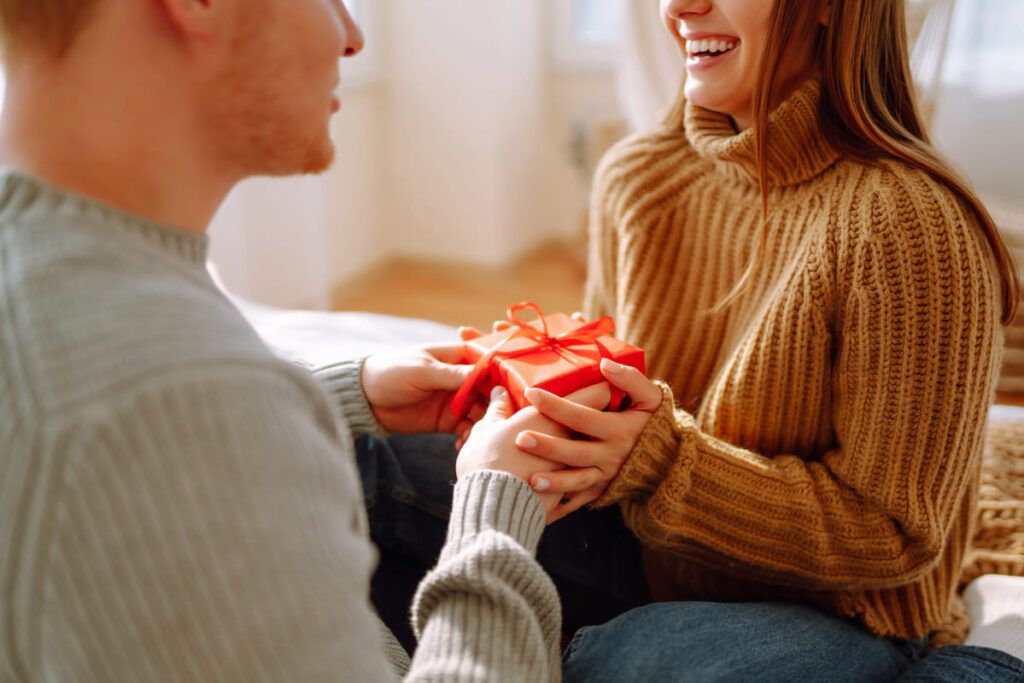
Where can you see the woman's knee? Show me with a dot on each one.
(704, 641)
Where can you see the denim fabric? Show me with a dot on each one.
(707, 641)
(595, 561)
(592, 557)
(966, 664)
(766, 642)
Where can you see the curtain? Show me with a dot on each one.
(650, 66)
(928, 28)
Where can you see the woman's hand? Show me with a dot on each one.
(491, 443)
(591, 463)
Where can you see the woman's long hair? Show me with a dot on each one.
(868, 105)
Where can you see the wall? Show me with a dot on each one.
(454, 146)
(965, 128)
(464, 128)
(283, 241)
(579, 102)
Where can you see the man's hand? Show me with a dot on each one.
(491, 444)
(410, 391)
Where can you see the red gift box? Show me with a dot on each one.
(553, 352)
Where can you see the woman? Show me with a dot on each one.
(823, 297)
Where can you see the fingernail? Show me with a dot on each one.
(527, 441)
(611, 366)
(531, 394)
(497, 393)
(542, 484)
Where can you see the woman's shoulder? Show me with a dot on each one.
(895, 208)
(899, 179)
(891, 194)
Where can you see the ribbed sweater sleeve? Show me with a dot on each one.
(343, 384)
(210, 527)
(487, 612)
(916, 355)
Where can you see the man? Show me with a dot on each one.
(175, 502)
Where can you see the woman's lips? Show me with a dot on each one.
(705, 52)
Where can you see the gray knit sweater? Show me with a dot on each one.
(177, 504)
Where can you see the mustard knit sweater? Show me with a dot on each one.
(821, 439)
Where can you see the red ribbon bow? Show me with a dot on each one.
(588, 334)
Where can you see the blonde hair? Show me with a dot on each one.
(50, 25)
(868, 107)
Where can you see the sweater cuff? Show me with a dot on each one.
(343, 384)
(656, 449)
(488, 500)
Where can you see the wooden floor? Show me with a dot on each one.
(457, 294)
(1010, 399)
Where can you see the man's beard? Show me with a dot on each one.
(270, 161)
(268, 140)
(257, 128)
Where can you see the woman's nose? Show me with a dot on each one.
(682, 9)
(354, 40)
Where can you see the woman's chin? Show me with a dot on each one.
(704, 95)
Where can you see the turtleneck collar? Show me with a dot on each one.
(23, 196)
(797, 148)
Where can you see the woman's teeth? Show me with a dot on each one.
(709, 48)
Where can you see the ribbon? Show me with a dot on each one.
(588, 335)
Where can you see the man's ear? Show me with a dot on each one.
(193, 18)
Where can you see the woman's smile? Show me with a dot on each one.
(706, 52)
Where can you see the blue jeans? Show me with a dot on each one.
(704, 641)
(596, 564)
(593, 559)
(966, 664)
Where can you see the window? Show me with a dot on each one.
(355, 7)
(596, 21)
(586, 33)
(985, 52)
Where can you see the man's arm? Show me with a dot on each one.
(407, 392)
(487, 593)
(342, 382)
(208, 528)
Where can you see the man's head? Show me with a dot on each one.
(271, 88)
(255, 79)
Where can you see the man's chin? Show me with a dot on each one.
(315, 162)
(320, 160)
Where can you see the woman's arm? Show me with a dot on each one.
(918, 352)
(917, 338)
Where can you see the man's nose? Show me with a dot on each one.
(354, 39)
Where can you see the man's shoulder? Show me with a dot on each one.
(82, 323)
